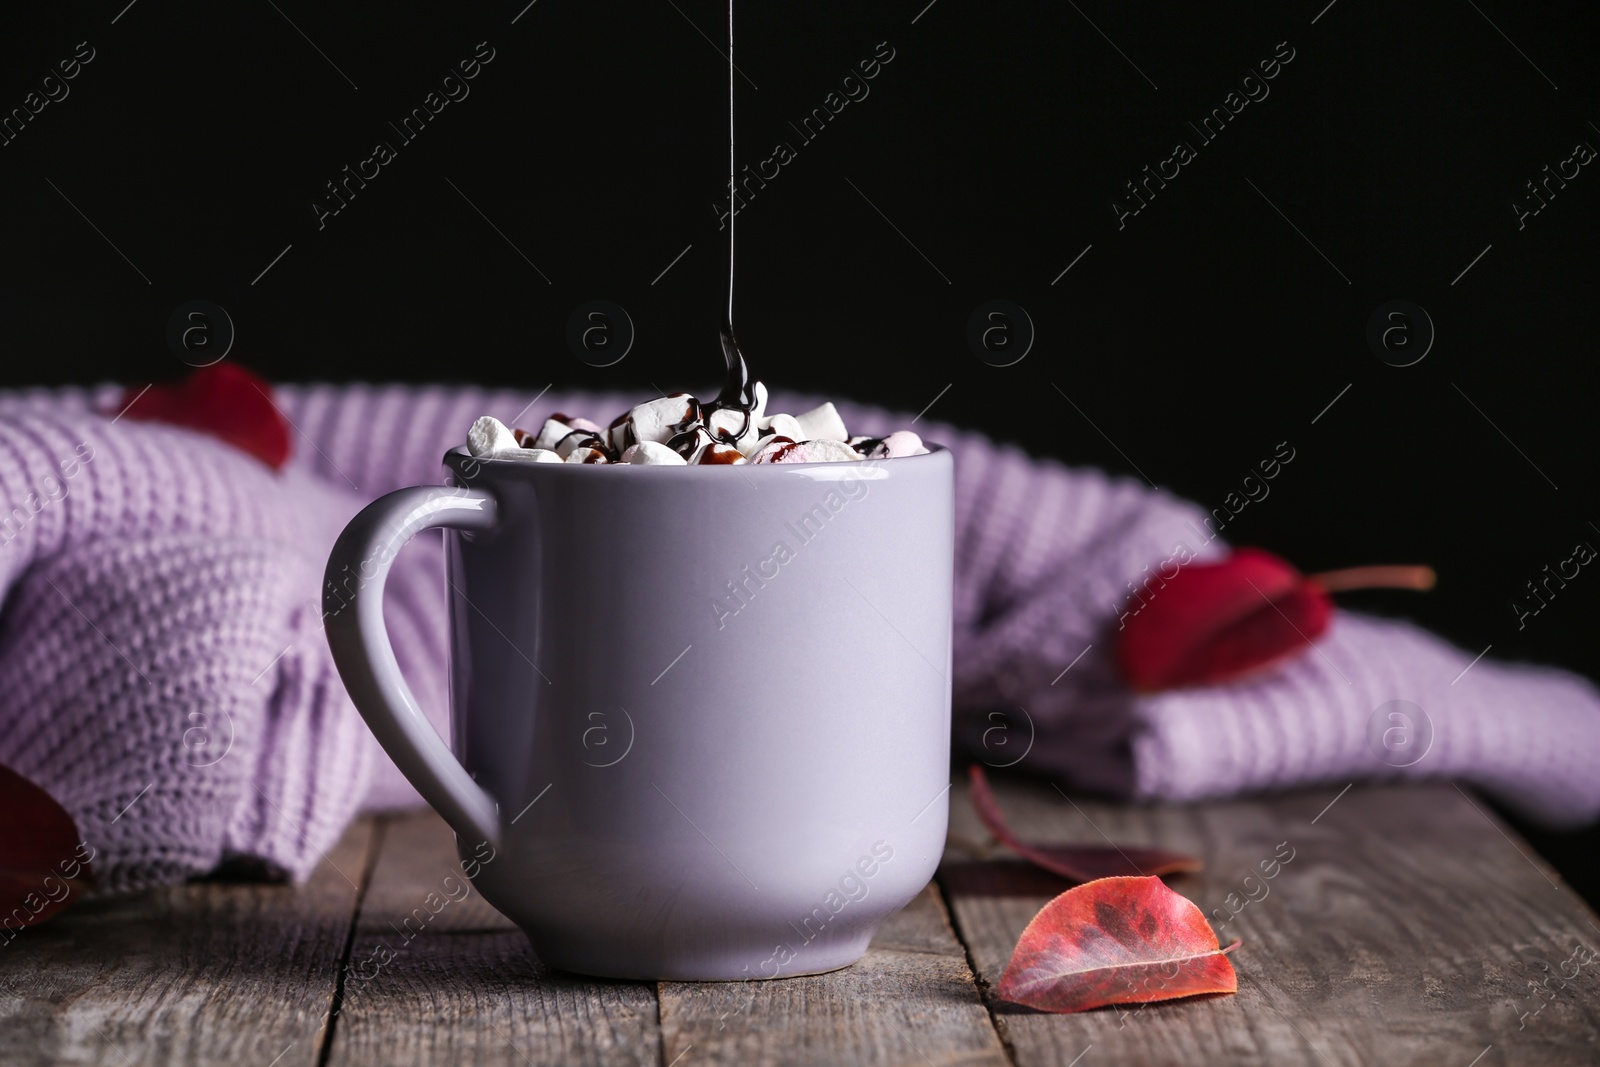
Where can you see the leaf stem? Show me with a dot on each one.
(1381, 577)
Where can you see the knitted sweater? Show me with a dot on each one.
(164, 676)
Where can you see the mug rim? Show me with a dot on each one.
(457, 456)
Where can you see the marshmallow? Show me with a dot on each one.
(821, 423)
(526, 455)
(663, 419)
(827, 451)
(783, 450)
(488, 436)
(676, 430)
(531, 455)
(725, 422)
(551, 433)
(783, 426)
(653, 453)
(766, 429)
(775, 450)
(898, 444)
(721, 453)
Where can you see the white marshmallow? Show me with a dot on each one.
(488, 436)
(779, 425)
(530, 455)
(783, 426)
(653, 453)
(822, 423)
(826, 451)
(898, 444)
(642, 435)
(551, 433)
(659, 420)
(724, 423)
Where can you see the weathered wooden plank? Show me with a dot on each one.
(1407, 928)
(197, 974)
(910, 1000)
(464, 986)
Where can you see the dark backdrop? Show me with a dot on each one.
(1381, 162)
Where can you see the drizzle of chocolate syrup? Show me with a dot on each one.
(738, 385)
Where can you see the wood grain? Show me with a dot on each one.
(465, 986)
(194, 974)
(910, 1000)
(1405, 930)
(1409, 927)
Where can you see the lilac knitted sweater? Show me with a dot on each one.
(163, 673)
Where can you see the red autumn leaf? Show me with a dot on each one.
(1116, 941)
(1078, 863)
(38, 847)
(223, 400)
(1214, 622)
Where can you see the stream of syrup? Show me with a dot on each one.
(739, 385)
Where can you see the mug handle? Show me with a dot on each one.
(365, 659)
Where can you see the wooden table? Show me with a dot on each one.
(1410, 927)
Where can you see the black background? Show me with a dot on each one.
(1219, 321)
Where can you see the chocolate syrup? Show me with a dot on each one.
(687, 442)
(738, 386)
(583, 439)
(625, 437)
(686, 431)
(720, 454)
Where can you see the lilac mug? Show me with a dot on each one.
(701, 715)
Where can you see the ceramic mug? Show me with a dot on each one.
(700, 715)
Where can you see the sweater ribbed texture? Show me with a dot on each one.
(164, 675)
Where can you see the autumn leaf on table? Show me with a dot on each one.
(223, 400)
(1214, 622)
(1078, 863)
(38, 845)
(1116, 941)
